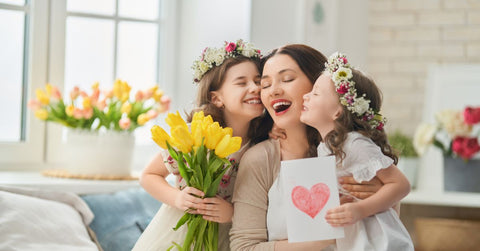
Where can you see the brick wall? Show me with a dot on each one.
(405, 37)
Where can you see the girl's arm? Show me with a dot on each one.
(396, 186)
(153, 181)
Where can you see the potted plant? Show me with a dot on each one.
(456, 133)
(100, 124)
(408, 157)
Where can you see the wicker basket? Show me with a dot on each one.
(447, 234)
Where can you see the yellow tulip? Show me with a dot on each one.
(142, 119)
(157, 95)
(207, 121)
(228, 130)
(49, 89)
(42, 97)
(86, 103)
(213, 134)
(126, 108)
(95, 86)
(69, 110)
(198, 116)
(182, 139)
(121, 90)
(197, 134)
(160, 136)
(41, 114)
(228, 145)
(174, 120)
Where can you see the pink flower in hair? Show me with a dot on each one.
(344, 60)
(343, 88)
(230, 47)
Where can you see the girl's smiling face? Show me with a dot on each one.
(239, 95)
(322, 105)
(283, 85)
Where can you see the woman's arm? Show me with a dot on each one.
(153, 181)
(396, 186)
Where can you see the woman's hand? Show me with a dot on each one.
(216, 209)
(360, 190)
(188, 198)
(277, 133)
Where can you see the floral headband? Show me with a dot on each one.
(341, 71)
(215, 56)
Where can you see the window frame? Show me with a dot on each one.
(30, 150)
(43, 147)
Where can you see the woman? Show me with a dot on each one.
(259, 213)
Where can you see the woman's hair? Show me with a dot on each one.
(348, 121)
(213, 81)
(312, 63)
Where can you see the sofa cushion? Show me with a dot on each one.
(121, 217)
(43, 220)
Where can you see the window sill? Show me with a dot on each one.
(79, 186)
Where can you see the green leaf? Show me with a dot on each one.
(201, 232)
(212, 190)
(207, 182)
(192, 230)
(182, 221)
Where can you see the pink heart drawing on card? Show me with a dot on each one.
(311, 201)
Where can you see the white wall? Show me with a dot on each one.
(205, 23)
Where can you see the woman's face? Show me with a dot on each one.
(283, 86)
(239, 95)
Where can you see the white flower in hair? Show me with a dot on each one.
(342, 74)
(361, 105)
(216, 56)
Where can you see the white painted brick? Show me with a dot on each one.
(473, 50)
(414, 67)
(392, 19)
(391, 50)
(379, 67)
(417, 5)
(474, 17)
(418, 34)
(461, 4)
(448, 50)
(442, 18)
(380, 34)
(465, 33)
(380, 6)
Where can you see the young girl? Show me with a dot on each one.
(344, 107)
(228, 90)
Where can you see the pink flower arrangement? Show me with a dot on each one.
(112, 109)
(456, 133)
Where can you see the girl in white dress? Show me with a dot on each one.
(344, 107)
(228, 89)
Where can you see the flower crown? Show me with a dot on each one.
(341, 72)
(215, 56)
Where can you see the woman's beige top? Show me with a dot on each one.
(258, 170)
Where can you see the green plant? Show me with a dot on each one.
(402, 143)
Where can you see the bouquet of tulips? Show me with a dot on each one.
(112, 109)
(200, 152)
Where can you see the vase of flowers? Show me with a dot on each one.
(408, 162)
(456, 134)
(100, 124)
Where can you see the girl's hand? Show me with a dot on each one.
(277, 133)
(188, 198)
(344, 215)
(360, 190)
(216, 209)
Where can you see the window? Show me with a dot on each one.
(69, 43)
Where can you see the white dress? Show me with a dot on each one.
(382, 231)
(159, 234)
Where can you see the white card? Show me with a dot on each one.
(310, 190)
